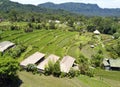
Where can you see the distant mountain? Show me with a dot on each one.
(65, 8)
(81, 8)
(7, 5)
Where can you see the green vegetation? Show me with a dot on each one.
(8, 71)
(102, 79)
(81, 8)
(110, 77)
(57, 32)
(59, 42)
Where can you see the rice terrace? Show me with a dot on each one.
(59, 45)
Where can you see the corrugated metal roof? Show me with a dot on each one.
(66, 63)
(32, 59)
(5, 45)
(53, 58)
(114, 62)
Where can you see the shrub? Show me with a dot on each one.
(83, 64)
(32, 68)
(28, 30)
(14, 27)
(77, 73)
(16, 51)
(116, 35)
(97, 60)
(83, 68)
(56, 71)
(71, 73)
(90, 73)
(63, 75)
(100, 51)
(49, 68)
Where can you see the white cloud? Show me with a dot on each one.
(101, 3)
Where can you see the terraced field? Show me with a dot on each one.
(60, 43)
(47, 41)
(52, 41)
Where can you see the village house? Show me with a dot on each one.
(6, 45)
(33, 59)
(66, 64)
(111, 64)
(114, 64)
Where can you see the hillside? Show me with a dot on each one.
(81, 8)
(64, 8)
(7, 5)
(61, 43)
(54, 42)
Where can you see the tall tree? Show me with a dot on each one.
(8, 70)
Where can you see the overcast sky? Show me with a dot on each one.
(101, 3)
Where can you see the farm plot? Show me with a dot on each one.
(46, 41)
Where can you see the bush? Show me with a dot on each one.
(77, 73)
(83, 68)
(28, 30)
(63, 75)
(49, 68)
(56, 71)
(16, 51)
(116, 35)
(14, 27)
(83, 64)
(90, 73)
(97, 60)
(72, 73)
(32, 68)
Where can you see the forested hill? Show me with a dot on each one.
(81, 8)
(7, 5)
(65, 8)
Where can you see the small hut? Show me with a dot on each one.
(96, 32)
(66, 63)
(111, 64)
(114, 64)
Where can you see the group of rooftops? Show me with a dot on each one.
(39, 59)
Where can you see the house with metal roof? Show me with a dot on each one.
(106, 64)
(33, 59)
(114, 64)
(53, 58)
(111, 64)
(66, 63)
(5, 45)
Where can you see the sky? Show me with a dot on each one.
(101, 3)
